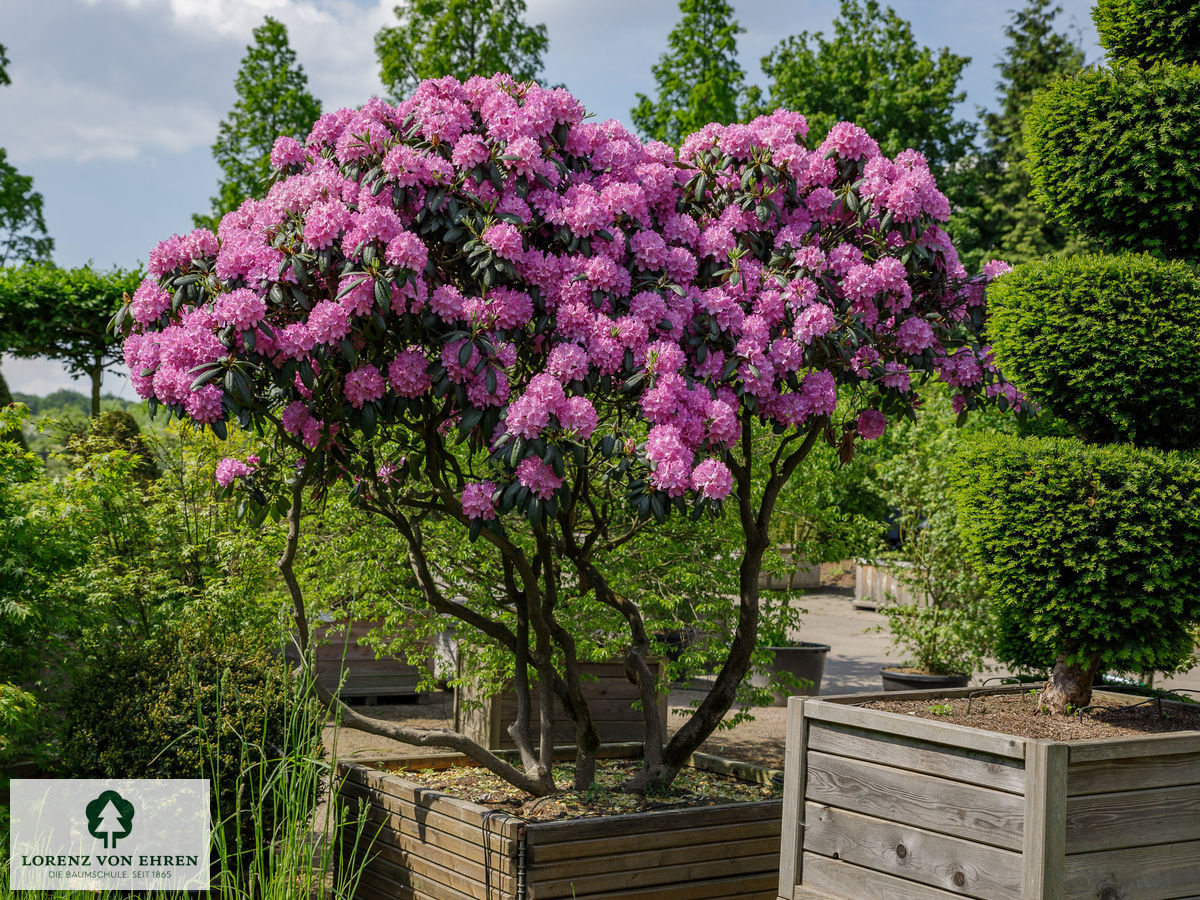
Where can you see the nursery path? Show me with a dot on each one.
(858, 651)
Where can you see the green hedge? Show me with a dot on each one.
(1091, 547)
(1149, 31)
(1106, 343)
(190, 705)
(1115, 155)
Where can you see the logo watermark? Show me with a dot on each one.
(94, 834)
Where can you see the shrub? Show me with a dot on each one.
(480, 308)
(1149, 30)
(1116, 155)
(1091, 548)
(188, 706)
(1101, 342)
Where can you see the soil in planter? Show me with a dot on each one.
(692, 788)
(1018, 714)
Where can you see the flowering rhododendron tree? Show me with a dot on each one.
(480, 307)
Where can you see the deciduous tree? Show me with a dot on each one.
(698, 79)
(64, 314)
(462, 38)
(273, 100)
(874, 73)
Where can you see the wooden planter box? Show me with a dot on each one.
(341, 644)
(876, 584)
(426, 845)
(878, 804)
(805, 575)
(610, 697)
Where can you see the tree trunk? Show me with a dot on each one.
(1069, 688)
(97, 375)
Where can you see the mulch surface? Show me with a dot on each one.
(1018, 714)
(691, 788)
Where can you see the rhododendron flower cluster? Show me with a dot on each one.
(482, 261)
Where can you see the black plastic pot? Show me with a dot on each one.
(894, 680)
(804, 660)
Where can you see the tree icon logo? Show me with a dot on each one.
(110, 816)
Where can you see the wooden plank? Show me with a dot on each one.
(707, 762)
(1120, 747)
(1044, 849)
(948, 733)
(1133, 773)
(924, 694)
(630, 862)
(843, 880)
(546, 853)
(400, 829)
(944, 862)
(948, 807)
(1165, 871)
(791, 844)
(1132, 818)
(440, 865)
(636, 883)
(969, 766)
(470, 813)
(538, 833)
(737, 887)
(391, 881)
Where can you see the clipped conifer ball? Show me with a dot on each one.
(1106, 343)
(1149, 31)
(1115, 155)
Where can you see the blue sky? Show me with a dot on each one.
(115, 103)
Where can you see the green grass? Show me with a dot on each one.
(296, 860)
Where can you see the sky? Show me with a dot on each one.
(114, 104)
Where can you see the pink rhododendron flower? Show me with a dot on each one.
(712, 479)
(871, 424)
(363, 385)
(243, 309)
(230, 469)
(477, 500)
(539, 477)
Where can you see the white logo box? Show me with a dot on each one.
(109, 833)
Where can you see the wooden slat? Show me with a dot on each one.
(756, 774)
(538, 833)
(636, 861)
(635, 883)
(398, 827)
(737, 887)
(969, 766)
(792, 838)
(1118, 747)
(948, 807)
(470, 813)
(953, 735)
(1133, 773)
(1044, 849)
(433, 862)
(1132, 819)
(1166, 871)
(923, 694)
(949, 863)
(537, 854)
(849, 882)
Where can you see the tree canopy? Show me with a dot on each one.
(22, 223)
(273, 100)
(997, 216)
(435, 38)
(64, 314)
(874, 73)
(698, 79)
